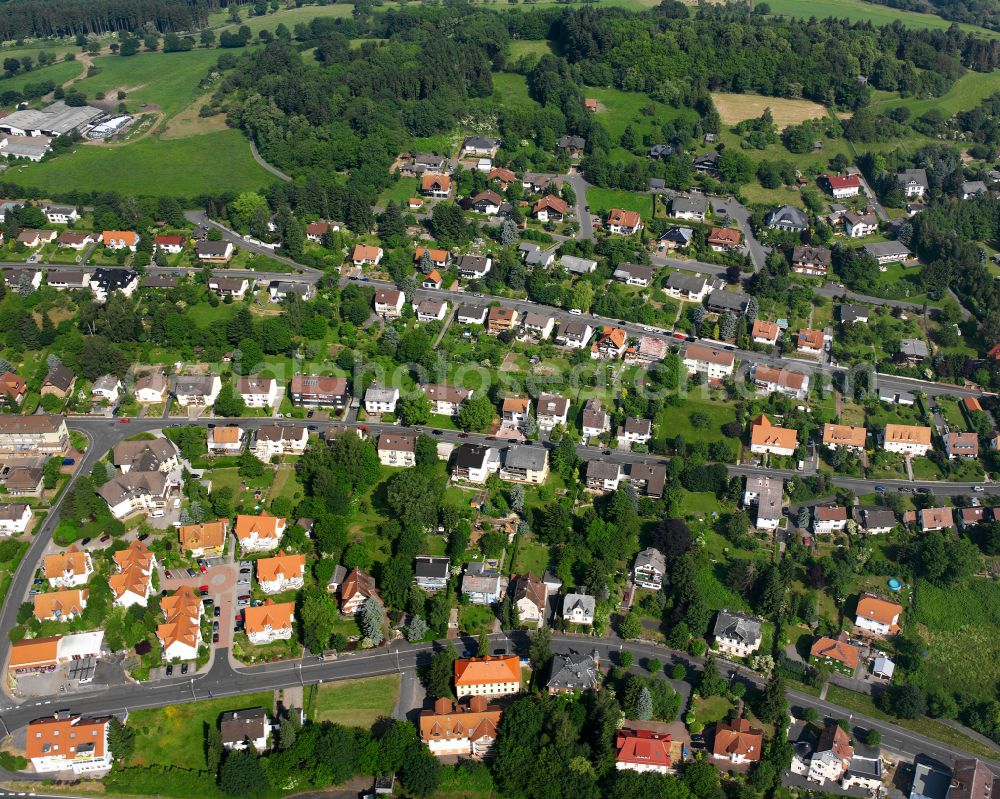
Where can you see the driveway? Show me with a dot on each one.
(575, 179)
(739, 214)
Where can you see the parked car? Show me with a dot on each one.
(215, 626)
(105, 538)
(170, 670)
(217, 612)
(88, 540)
(166, 572)
(215, 638)
(184, 668)
(124, 420)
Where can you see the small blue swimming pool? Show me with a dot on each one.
(895, 584)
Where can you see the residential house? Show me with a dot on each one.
(15, 518)
(23, 281)
(379, 400)
(865, 770)
(610, 344)
(269, 622)
(736, 741)
(691, 209)
(649, 350)
(811, 260)
(708, 163)
(105, 282)
(603, 476)
(737, 634)
(13, 387)
(577, 266)
(649, 567)
(687, 287)
(516, 410)
(836, 653)
(366, 255)
(61, 214)
(316, 231)
(74, 240)
(358, 587)
(550, 410)
(841, 186)
(431, 573)
(243, 729)
(397, 449)
(281, 573)
(276, 441)
(912, 351)
(973, 188)
(473, 267)
(787, 217)
(712, 362)
(482, 585)
(446, 400)
(119, 239)
(810, 342)
(912, 182)
(936, 519)
(279, 290)
(528, 597)
(538, 326)
(225, 440)
(66, 280)
(877, 521)
(474, 463)
(68, 569)
(648, 479)
(430, 310)
(525, 464)
(488, 676)
(196, 389)
(41, 434)
(832, 756)
(770, 380)
(480, 145)
(595, 421)
(676, 238)
(574, 671)
(172, 245)
(724, 239)
(151, 388)
(501, 176)
(764, 332)
(844, 435)
(634, 431)
(106, 388)
(319, 391)
(907, 439)
(207, 539)
(500, 319)
(61, 606)
(877, 615)
(887, 252)
(634, 274)
(139, 492)
(625, 223)
(857, 226)
(66, 742)
(961, 445)
(571, 144)
(461, 730)
(766, 494)
(539, 184)
(853, 314)
(574, 334)
(24, 481)
(132, 584)
(643, 751)
(578, 608)
(260, 533)
(235, 287)
(439, 258)
(425, 163)
(550, 208)
(728, 302)
(486, 202)
(58, 382)
(435, 186)
(35, 238)
(156, 455)
(972, 779)
(470, 314)
(767, 438)
(829, 519)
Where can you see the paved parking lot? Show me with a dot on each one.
(221, 582)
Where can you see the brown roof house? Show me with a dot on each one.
(737, 742)
(837, 653)
(58, 382)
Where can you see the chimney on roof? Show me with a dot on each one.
(442, 706)
(477, 704)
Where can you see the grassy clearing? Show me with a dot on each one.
(862, 703)
(57, 73)
(181, 168)
(735, 108)
(289, 16)
(677, 420)
(175, 735)
(966, 93)
(190, 123)
(401, 192)
(522, 47)
(616, 109)
(532, 556)
(600, 200)
(511, 91)
(357, 703)
(865, 12)
(167, 80)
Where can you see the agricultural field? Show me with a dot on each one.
(58, 73)
(290, 17)
(735, 108)
(179, 167)
(860, 11)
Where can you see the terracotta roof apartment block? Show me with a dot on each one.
(844, 435)
(265, 526)
(907, 434)
(61, 605)
(281, 567)
(700, 352)
(487, 670)
(74, 737)
(72, 562)
(208, 535)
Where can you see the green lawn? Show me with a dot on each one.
(511, 90)
(175, 735)
(58, 73)
(167, 80)
(289, 16)
(600, 200)
(401, 192)
(475, 619)
(176, 167)
(532, 556)
(857, 10)
(521, 47)
(966, 93)
(675, 421)
(617, 109)
(712, 709)
(357, 703)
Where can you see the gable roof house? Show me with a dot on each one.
(261, 533)
(105, 282)
(610, 344)
(15, 517)
(435, 185)
(737, 634)
(281, 573)
(770, 380)
(550, 410)
(643, 751)
(736, 741)
(728, 302)
(837, 653)
(61, 606)
(906, 439)
(358, 587)
(764, 332)
(858, 226)
(446, 400)
(272, 440)
(133, 583)
(482, 585)
(767, 438)
(119, 239)
(961, 445)
(972, 188)
(74, 240)
(473, 267)
(572, 144)
(623, 222)
(366, 254)
(877, 615)
(397, 448)
(634, 274)
(528, 596)
(475, 463)
(724, 239)
(853, 314)
(832, 757)
(810, 260)
(603, 476)
(713, 362)
(430, 310)
(379, 400)
(525, 464)
(787, 217)
(887, 252)
(487, 676)
(138, 492)
(500, 319)
(844, 435)
(648, 479)
(550, 208)
(579, 608)
(841, 186)
(692, 209)
(649, 567)
(912, 182)
(431, 573)
(69, 569)
(196, 389)
(269, 621)
(58, 382)
(241, 729)
(687, 287)
(205, 539)
(66, 279)
(936, 519)
(319, 391)
(13, 387)
(158, 455)
(829, 519)
(461, 730)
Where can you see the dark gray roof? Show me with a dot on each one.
(237, 726)
(681, 281)
(209, 247)
(808, 254)
(60, 377)
(574, 671)
(159, 282)
(603, 470)
(788, 217)
(884, 249)
(917, 176)
(566, 142)
(651, 556)
(728, 301)
(520, 456)
(430, 567)
(878, 517)
(679, 235)
(729, 624)
(852, 313)
(689, 205)
(627, 270)
(472, 456)
(113, 279)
